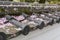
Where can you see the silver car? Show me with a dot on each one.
(9, 27)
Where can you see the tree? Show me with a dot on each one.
(16, 0)
(42, 1)
(29, 0)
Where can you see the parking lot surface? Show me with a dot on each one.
(47, 33)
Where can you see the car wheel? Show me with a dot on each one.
(57, 21)
(3, 36)
(26, 30)
(41, 25)
(52, 22)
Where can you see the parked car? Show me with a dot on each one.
(56, 19)
(24, 20)
(47, 20)
(28, 20)
(35, 18)
(10, 27)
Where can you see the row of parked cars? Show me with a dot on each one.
(11, 26)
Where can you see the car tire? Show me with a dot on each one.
(3, 36)
(57, 21)
(41, 25)
(26, 30)
(52, 22)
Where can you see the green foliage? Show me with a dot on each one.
(25, 10)
(29, 0)
(42, 1)
(2, 10)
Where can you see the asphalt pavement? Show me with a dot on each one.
(47, 33)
